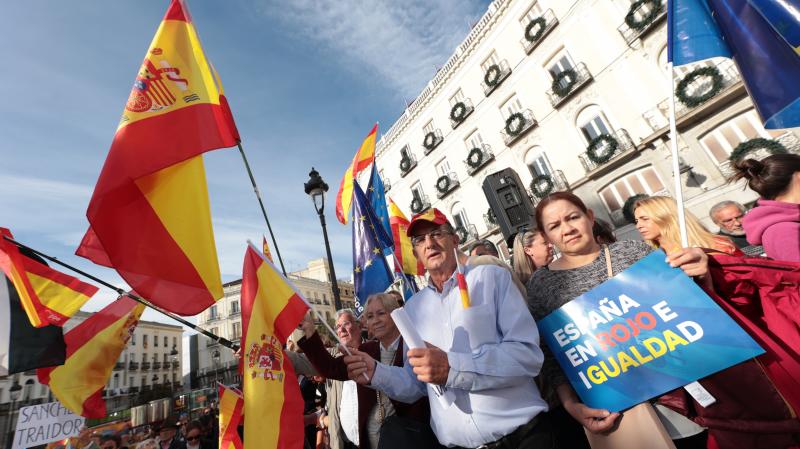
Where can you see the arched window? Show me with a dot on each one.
(459, 216)
(592, 122)
(643, 181)
(720, 141)
(536, 160)
(27, 391)
(663, 63)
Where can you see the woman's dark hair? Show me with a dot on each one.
(603, 232)
(768, 177)
(566, 196)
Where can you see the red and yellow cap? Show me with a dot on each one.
(431, 215)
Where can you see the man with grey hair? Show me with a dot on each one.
(483, 248)
(728, 216)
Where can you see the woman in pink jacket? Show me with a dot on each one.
(775, 222)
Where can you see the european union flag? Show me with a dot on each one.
(376, 194)
(371, 273)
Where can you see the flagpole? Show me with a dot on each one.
(676, 170)
(261, 203)
(223, 341)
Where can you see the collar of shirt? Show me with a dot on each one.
(448, 284)
(392, 345)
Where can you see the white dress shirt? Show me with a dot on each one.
(348, 411)
(493, 351)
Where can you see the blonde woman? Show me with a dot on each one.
(531, 252)
(657, 222)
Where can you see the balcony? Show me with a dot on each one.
(550, 22)
(133, 366)
(479, 157)
(559, 184)
(466, 234)
(658, 117)
(235, 313)
(119, 365)
(446, 184)
(419, 203)
(490, 219)
(569, 84)
(494, 77)
(387, 185)
(517, 126)
(145, 366)
(407, 163)
(156, 365)
(432, 140)
(788, 140)
(459, 114)
(625, 147)
(176, 364)
(133, 390)
(644, 11)
(213, 317)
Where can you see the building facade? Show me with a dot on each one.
(571, 96)
(211, 362)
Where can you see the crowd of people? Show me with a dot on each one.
(484, 380)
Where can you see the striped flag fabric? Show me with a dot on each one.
(93, 348)
(48, 297)
(231, 404)
(149, 216)
(462, 282)
(271, 309)
(363, 158)
(403, 249)
(265, 249)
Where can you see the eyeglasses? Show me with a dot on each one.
(436, 234)
(188, 438)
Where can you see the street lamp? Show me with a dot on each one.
(13, 393)
(173, 356)
(316, 188)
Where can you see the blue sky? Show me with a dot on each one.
(305, 79)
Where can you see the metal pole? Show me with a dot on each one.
(261, 203)
(676, 169)
(331, 271)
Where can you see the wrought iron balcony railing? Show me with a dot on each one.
(642, 15)
(570, 83)
(624, 146)
(145, 366)
(539, 31)
(517, 126)
(459, 114)
(495, 77)
(559, 184)
(431, 140)
(445, 184)
(407, 163)
(419, 203)
(133, 366)
(479, 157)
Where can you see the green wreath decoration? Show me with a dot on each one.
(542, 185)
(462, 234)
(491, 216)
(492, 76)
(416, 205)
(597, 144)
(459, 112)
(640, 24)
(443, 184)
(475, 158)
(748, 146)
(430, 141)
(571, 77)
(627, 208)
(692, 101)
(517, 118)
(405, 164)
(539, 24)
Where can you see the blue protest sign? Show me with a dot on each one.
(647, 331)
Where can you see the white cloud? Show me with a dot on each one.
(402, 42)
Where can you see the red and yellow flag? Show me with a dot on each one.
(265, 250)
(93, 348)
(271, 310)
(403, 248)
(47, 296)
(231, 405)
(364, 156)
(149, 215)
(462, 282)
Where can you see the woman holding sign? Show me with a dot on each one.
(567, 223)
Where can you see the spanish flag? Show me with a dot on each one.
(364, 156)
(266, 251)
(462, 282)
(93, 348)
(149, 215)
(403, 248)
(271, 310)
(47, 296)
(231, 404)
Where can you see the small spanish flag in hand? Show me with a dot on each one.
(462, 281)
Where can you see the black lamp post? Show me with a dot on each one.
(316, 188)
(173, 356)
(13, 394)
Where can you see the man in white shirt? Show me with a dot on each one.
(484, 355)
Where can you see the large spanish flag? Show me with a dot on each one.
(47, 296)
(364, 156)
(231, 404)
(403, 248)
(93, 348)
(149, 215)
(271, 309)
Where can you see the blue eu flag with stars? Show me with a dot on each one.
(371, 273)
(376, 194)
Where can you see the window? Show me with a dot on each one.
(144, 357)
(214, 331)
(155, 341)
(537, 162)
(236, 330)
(474, 140)
(130, 381)
(43, 388)
(144, 380)
(428, 128)
(144, 341)
(166, 341)
(133, 339)
(116, 380)
(443, 168)
(164, 379)
(174, 342)
(490, 61)
(325, 297)
(315, 295)
(533, 12)
(644, 181)
(511, 106)
(559, 63)
(212, 313)
(592, 122)
(720, 141)
(460, 219)
(457, 97)
(416, 190)
(165, 359)
(663, 62)
(404, 152)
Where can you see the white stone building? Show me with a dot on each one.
(618, 86)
